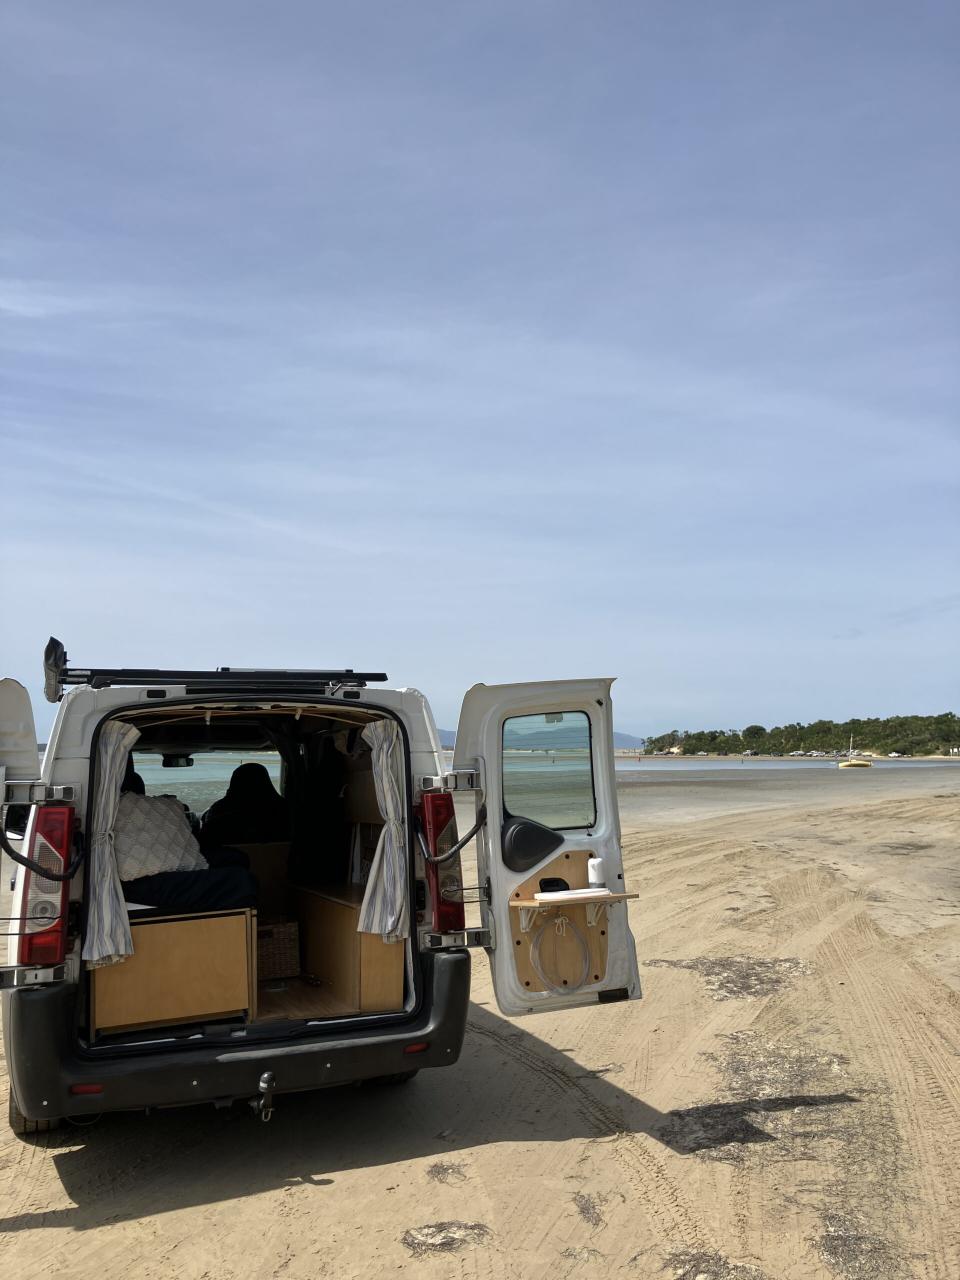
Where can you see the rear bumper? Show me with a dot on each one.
(44, 1061)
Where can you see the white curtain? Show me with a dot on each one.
(108, 939)
(386, 908)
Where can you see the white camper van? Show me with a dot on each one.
(159, 956)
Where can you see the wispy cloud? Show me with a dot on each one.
(925, 611)
(489, 343)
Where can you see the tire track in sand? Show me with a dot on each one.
(647, 1175)
(881, 1007)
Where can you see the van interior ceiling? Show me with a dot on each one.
(308, 840)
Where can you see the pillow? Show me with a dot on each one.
(152, 835)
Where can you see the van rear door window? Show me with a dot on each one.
(548, 769)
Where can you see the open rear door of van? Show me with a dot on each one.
(41, 961)
(550, 847)
(19, 754)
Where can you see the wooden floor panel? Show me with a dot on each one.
(295, 998)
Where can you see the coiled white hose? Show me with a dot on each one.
(560, 926)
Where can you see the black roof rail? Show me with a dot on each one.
(237, 679)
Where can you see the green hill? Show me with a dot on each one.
(907, 735)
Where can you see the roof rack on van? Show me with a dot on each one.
(233, 679)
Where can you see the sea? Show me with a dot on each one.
(684, 780)
(205, 780)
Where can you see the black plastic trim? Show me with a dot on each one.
(44, 1062)
(524, 843)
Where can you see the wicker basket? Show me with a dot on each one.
(278, 951)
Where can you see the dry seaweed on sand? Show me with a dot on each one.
(852, 1251)
(582, 1253)
(444, 1237)
(707, 1264)
(753, 1066)
(588, 1208)
(447, 1171)
(740, 977)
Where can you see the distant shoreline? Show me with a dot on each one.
(630, 753)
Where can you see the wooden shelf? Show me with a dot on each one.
(571, 900)
(530, 908)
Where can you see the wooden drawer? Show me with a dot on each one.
(183, 968)
(360, 969)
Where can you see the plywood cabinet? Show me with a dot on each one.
(359, 969)
(269, 864)
(183, 969)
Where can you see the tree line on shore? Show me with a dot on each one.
(906, 735)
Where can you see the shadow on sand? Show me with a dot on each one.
(509, 1086)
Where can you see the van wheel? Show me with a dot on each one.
(25, 1128)
(399, 1077)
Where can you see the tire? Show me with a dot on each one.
(25, 1128)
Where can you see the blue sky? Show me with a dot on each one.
(489, 342)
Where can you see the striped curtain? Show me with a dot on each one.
(108, 939)
(386, 908)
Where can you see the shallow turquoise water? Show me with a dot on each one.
(679, 785)
(206, 780)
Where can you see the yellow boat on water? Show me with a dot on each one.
(854, 762)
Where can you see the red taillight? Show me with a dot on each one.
(43, 911)
(420, 1046)
(440, 832)
(79, 1090)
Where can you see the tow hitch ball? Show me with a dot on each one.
(263, 1106)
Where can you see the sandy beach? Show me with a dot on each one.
(783, 1104)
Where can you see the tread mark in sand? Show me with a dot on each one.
(647, 1175)
(902, 1046)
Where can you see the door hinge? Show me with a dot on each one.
(462, 938)
(33, 792)
(455, 780)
